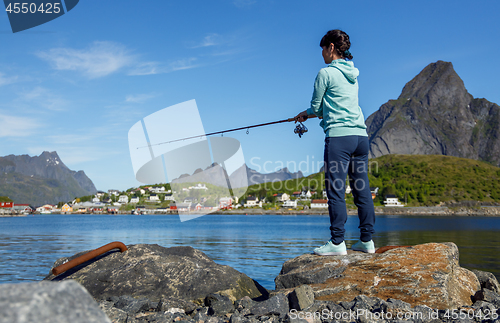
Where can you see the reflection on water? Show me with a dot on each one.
(256, 244)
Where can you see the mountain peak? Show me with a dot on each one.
(51, 158)
(41, 179)
(436, 115)
(437, 84)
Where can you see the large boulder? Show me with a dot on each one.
(427, 274)
(48, 302)
(155, 273)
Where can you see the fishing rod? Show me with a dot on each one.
(300, 129)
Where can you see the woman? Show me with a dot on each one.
(335, 100)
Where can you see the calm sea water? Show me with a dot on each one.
(254, 244)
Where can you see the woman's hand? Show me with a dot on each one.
(301, 117)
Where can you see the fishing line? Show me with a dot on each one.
(300, 129)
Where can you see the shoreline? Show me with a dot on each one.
(493, 211)
(489, 211)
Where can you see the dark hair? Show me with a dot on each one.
(340, 40)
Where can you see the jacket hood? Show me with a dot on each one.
(347, 68)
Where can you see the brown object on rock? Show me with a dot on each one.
(427, 274)
(88, 256)
(386, 248)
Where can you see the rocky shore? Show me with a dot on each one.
(10, 215)
(407, 211)
(150, 283)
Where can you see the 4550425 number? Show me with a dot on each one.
(26, 7)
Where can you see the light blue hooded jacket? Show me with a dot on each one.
(335, 98)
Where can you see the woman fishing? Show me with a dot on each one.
(335, 100)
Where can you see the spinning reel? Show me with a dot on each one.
(300, 129)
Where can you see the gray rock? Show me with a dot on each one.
(239, 318)
(155, 272)
(115, 315)
(486, 309)
(423, 314)
(487, 280)
(48, 302)
(168, 303)
(488, 296)
(132, 305)
(347, 305)
(320, 306)
(245, 302)
(236, 317)
(398, 304)
(219, 304)
(289, 277)
(301, 298)
(366, 303)
(277, 305)
(200, 314)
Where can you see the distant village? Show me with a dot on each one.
(160, 200)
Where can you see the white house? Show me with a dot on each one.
(134, 199)
(157, 189)
(253, 202)
(306, 194)
(154, 197)
(46, 208)
(169, 197)
(99, 193)
(282, 197)
(392, 200)
(114, 192)
(96, 199)
(123, 199)
(199, 186)
(319, 204)
(290, 203)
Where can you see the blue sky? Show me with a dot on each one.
(77, 84)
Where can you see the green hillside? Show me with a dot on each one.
(421, 179)
(5, 199)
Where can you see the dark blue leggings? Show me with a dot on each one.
(344, 156)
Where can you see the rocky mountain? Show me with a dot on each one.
(436, 115)
(41, 179)
(214, 174)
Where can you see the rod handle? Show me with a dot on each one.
(88, 256)
(308, 117)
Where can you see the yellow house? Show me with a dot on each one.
(66, 208)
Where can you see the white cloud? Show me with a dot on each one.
(100, 59)
(183, 64)
(139, 98)
(149, 68)
(209, 40)
(12, 126)
(45, 98)
(104, 58)
(7, 80)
